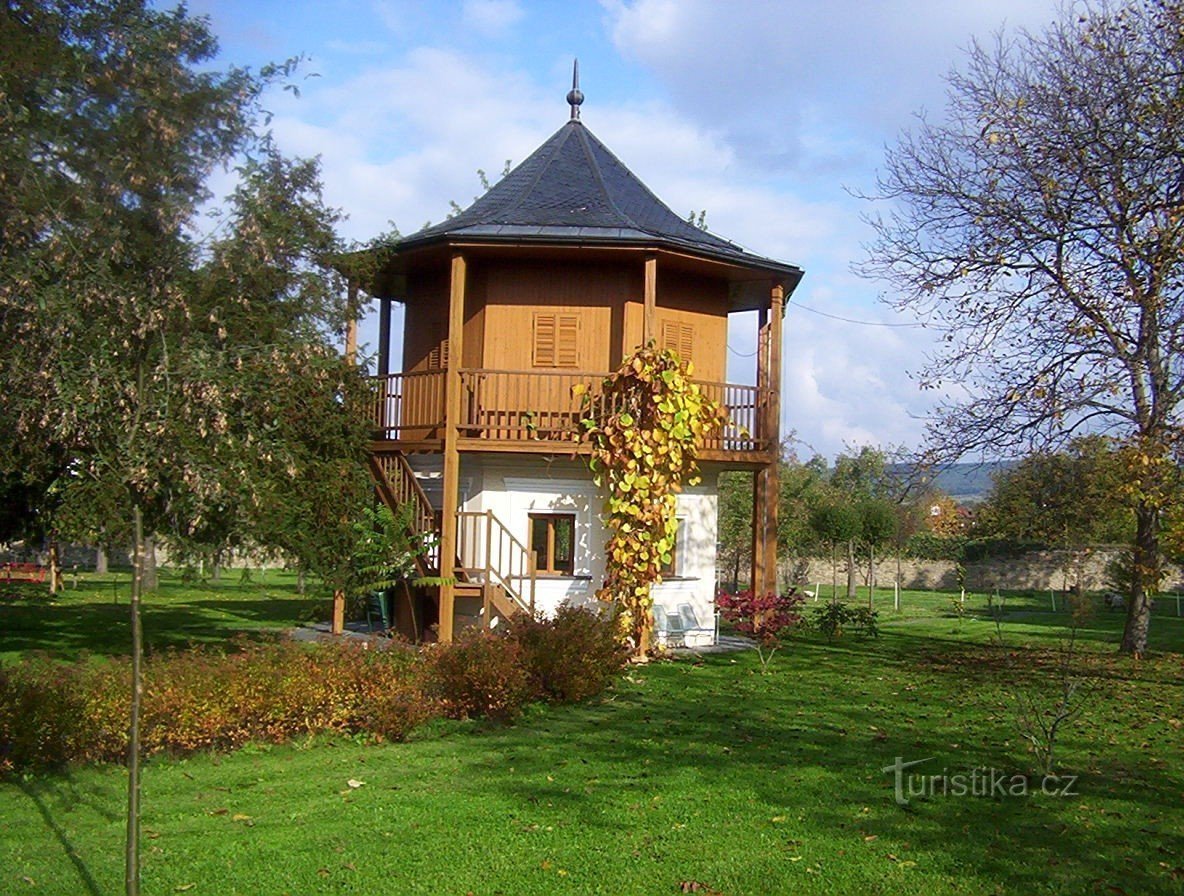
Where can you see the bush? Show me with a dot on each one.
(1120, 575)
(571, 657)
(479, 674)
(930, 546)
(54, 713)
(762, 617)
(832, 618)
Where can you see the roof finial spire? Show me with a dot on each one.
(574, 96)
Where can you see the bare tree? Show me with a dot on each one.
(1040, 224)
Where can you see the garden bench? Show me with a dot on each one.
(23, 572)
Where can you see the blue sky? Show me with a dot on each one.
(769, 115)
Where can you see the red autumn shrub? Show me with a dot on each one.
(764, 618)
(571, 657)
(479, 674)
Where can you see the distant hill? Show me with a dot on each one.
(966, 483)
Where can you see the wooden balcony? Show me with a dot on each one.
(534, 411)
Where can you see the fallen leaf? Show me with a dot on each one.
(354, 783)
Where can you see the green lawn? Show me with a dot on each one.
(688, 772)
(91, 614)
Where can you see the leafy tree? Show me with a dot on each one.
(176, 380)
(1068, 499)
(796, 539)
(735, 523)
(877, 527)
(860, 477)
(835, 521)
(1039, 223)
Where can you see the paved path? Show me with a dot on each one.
(319, 631)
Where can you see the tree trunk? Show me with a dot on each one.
(736, 572)
(834, 573)
(55, 568)
(871, 575)
(852, 573)
(1144, 580)
(151, 578)
(101, 560)
(337, 624)
(132, 855)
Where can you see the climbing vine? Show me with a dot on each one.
(645, 425)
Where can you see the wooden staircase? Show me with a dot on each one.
(493, 572)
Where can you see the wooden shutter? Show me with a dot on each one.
(556, 340)
(678, 337)
(438, 356)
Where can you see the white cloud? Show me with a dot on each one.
(747, 129)
(491, 17)
(788, 82)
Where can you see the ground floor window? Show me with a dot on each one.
(552, 541)
(673, 569)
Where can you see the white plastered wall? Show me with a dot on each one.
(515, 487)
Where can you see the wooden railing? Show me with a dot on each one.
(409, 406)
(489, 553)
(395, 476)
(537, 406)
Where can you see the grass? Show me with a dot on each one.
(691, 772)
(90, 616)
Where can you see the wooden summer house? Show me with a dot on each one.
(561, 270)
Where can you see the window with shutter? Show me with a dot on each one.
(556, 340)
(678, 337)
(438, 356)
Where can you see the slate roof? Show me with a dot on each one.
(572, 189)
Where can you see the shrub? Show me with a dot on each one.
(762, 617)
(832, 618)
(1120, 575)
(571, 657)
(54, 713)
(479, 674)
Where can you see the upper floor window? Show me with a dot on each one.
(438, 356)
(678, 337)
(556, 340)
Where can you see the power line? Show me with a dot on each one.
(865, 323)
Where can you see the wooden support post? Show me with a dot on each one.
(451, 474)
(772, 472)
(351, 327)
(766, 481)
(384, 336)
(337, 624)
(760, 496)
(649, 324)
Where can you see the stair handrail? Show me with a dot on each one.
(514, 571)
(404, 488)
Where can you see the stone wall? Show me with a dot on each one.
(1034, 571)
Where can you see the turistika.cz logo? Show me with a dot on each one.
(981, 781)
